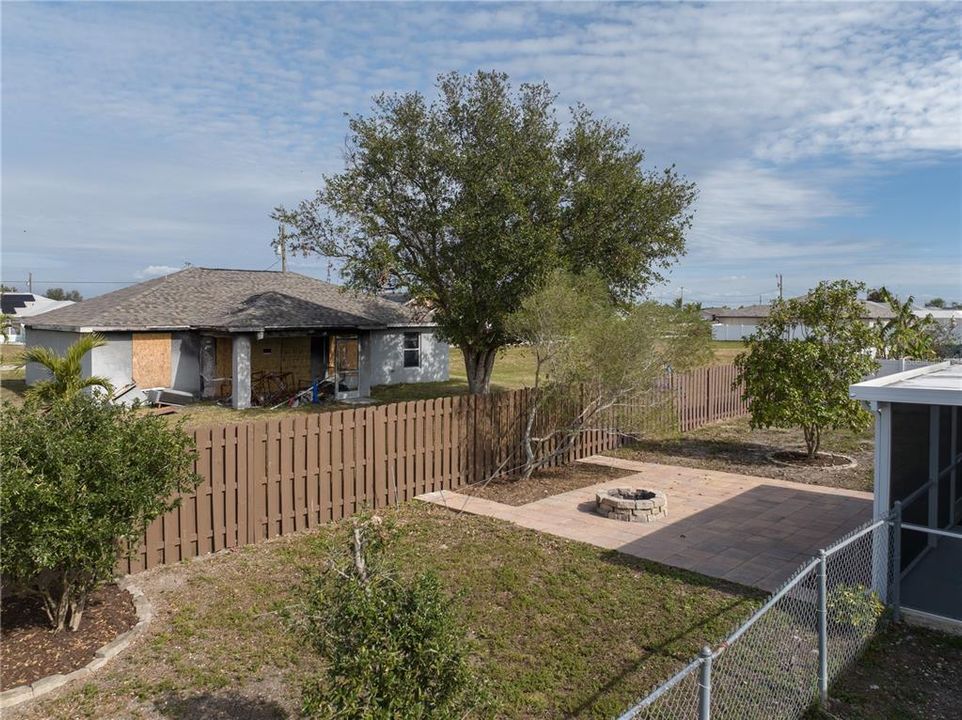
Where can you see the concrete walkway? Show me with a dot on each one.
(750, 530)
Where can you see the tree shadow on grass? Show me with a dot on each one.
(737, 453)
(228, 705)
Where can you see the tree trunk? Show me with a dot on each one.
(479, 362)
(813, 439)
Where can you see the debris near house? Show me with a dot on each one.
(167, 397)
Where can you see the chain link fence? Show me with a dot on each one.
(783, 658)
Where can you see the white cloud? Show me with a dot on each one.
(132, 127)
(153, 271)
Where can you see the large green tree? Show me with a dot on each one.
(800, 363)
(469, 201)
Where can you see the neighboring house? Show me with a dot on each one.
(918, 451)
(208, 331)
(20, 306)
(741, 323)
(949, 319)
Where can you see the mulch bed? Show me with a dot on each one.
(551, 481)
(31, 650)
(731, 446)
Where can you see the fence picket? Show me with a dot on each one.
(262, 479)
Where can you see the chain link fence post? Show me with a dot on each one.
(897, 561)
(822, 628)
(704, 685)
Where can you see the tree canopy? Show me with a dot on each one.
(61, 294)
(607, 355)
(802, 359)
(469, 202)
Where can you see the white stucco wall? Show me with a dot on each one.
(114, 360)
(387, 358)
(56, 341)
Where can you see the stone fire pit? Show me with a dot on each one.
(631, 504)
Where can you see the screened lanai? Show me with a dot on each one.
(918, 448)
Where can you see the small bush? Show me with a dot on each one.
(855, 605)
(81, 479)
(393, 649)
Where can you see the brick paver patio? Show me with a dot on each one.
(750, 530)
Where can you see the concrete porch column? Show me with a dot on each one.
(241, 385)
(208, 367)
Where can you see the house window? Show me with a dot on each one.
(412, 350)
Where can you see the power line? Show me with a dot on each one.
(73, 282)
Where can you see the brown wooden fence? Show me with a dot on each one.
(264, 479)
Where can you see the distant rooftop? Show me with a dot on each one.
(873, 311)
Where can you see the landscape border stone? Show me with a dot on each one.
(851, 462)
(145, 613)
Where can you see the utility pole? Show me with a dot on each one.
(779, 277)
(682, 296)
(282, 244)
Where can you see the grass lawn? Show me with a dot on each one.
(726, 350)
(12, 384)
(10, 353)
(558, 629)
(732, 446)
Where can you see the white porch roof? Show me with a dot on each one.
(937, 384)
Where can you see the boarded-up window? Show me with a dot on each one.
(151, 359)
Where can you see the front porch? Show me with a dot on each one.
(266, 368)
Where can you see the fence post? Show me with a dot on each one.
(822, 628)
(704, 685)
(897, 561)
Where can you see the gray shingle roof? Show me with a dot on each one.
(232, 300)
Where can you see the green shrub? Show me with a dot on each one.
(81, 479)
(855, 605)
(393, 649)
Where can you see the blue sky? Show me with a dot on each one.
(825, 139)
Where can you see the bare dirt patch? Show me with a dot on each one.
(907, 673)
(32, 650)
(732, 446)
(551, 481)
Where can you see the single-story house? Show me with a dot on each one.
(951, 320)
(215, 333)
(918, 452)
(740, 323)
(19, 306)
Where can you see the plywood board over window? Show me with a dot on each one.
(151, 359)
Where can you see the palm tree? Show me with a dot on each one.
(66, 370)
(907, 334)
(6, 323)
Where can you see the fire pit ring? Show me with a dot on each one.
(631, 504)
